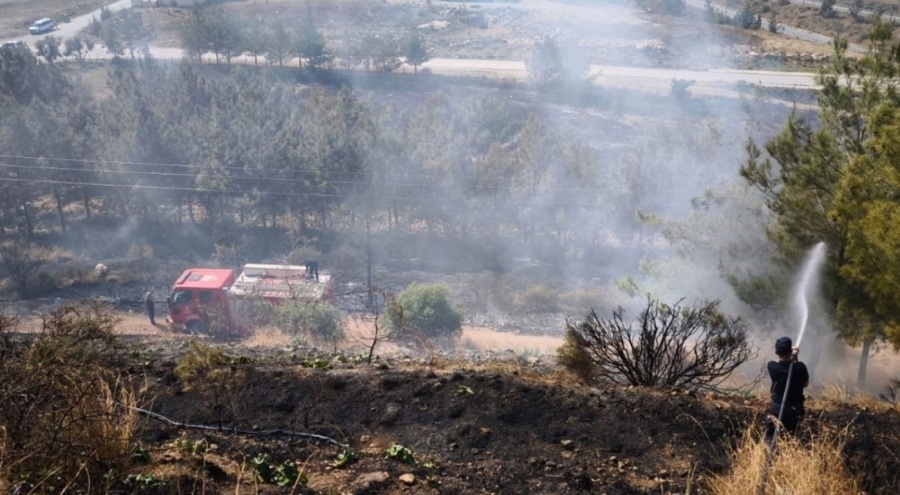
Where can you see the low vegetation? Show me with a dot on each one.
(62, 394)
(666, 346)
(423, 310)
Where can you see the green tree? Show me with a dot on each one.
(867, 207)
(255, 40)
(279, 43)
(75, 46)
(385, 52)
(747, 18)
(134, 34)
(414, 50)
(48, 48)
(112, 39)
(193, 36)
(551, 61)
(221, 33)
(807, 167)
(773, 25)
(424, 308)
(309, 42)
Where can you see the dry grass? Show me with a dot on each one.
(840, 394)
(486, 339)
(268, 338)
(799, 467)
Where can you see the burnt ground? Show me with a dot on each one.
(495, 426)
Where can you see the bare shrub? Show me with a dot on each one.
(799, 467)
(20, 260)
(60, 395)
(667, 346)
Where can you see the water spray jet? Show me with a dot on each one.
(814, 260)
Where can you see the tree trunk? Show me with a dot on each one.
(864, 363)
(59, 208)
(86, 199)
(369, 302)
(26, 217)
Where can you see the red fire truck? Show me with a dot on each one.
(214, 299)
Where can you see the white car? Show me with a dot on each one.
(42, 26)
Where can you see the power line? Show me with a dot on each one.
(281, 179)
(291, 194)
(324, 174)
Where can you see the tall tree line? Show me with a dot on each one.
(173, 143)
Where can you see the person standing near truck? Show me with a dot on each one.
(151, 307)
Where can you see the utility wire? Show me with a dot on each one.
(243, 169)
(430, 184)
(429, 199)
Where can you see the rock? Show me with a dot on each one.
(101, 270)
(567, 444)
(370, 481)
(407, 478)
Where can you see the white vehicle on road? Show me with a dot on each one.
(42, 26)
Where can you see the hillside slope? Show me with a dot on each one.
(498, 427)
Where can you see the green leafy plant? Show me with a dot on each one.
(315, 362)
(345, 458)
(188, 446)
(144, 481)
(400, 453)
(140, 455)
(286, 474)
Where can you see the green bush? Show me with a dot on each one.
(320, 321)
(423, 308)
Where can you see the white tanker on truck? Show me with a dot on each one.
(215, 298)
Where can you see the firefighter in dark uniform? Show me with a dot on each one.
(793, 402)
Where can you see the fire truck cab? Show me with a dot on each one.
(205, 299)
(198, 294)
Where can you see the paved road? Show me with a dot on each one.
(716, 81)
(69, 29)
(647, 78)
(789, 31)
